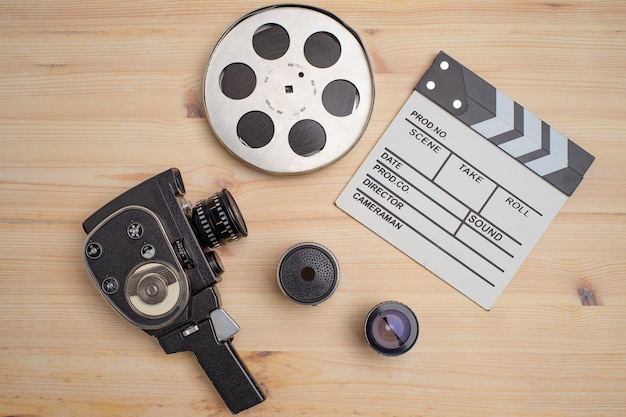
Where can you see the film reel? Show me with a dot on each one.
(289, 89)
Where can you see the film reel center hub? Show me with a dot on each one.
(289, 89)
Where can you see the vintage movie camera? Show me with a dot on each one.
(149, 251)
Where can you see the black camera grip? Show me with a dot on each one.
(221, 364)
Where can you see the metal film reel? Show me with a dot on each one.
(289, 89)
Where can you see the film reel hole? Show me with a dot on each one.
(430, 85)
(237, 81)
(444, 65)
(307, 137)
(270, 41)
(340, 98)
(255, 129)
(322, 50)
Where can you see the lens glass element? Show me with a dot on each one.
(391, 328)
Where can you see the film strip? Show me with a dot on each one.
(505, 123)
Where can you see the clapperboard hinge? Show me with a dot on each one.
(505, 123)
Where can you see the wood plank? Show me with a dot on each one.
(99, 96)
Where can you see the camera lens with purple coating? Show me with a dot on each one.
(391, 328)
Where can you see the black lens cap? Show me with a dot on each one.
(308, 273)
(391, 328)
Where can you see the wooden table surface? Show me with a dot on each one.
(98, 96)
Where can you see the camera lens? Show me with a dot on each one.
(217, 220)
(391, 328)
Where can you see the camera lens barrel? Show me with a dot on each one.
(391, 328)
(215, 263)
(218, 220)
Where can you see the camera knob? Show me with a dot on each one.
(217, 220)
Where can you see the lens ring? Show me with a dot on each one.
(391, 328)
(218, 220)
(236, 218)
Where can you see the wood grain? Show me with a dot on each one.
(98, 96)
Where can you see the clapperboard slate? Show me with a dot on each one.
(465, 180)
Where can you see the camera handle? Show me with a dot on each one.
(209, 340)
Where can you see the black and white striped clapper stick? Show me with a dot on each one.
(505, 123)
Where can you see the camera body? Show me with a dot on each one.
(149, 251)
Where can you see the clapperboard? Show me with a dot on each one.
(465, 180)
